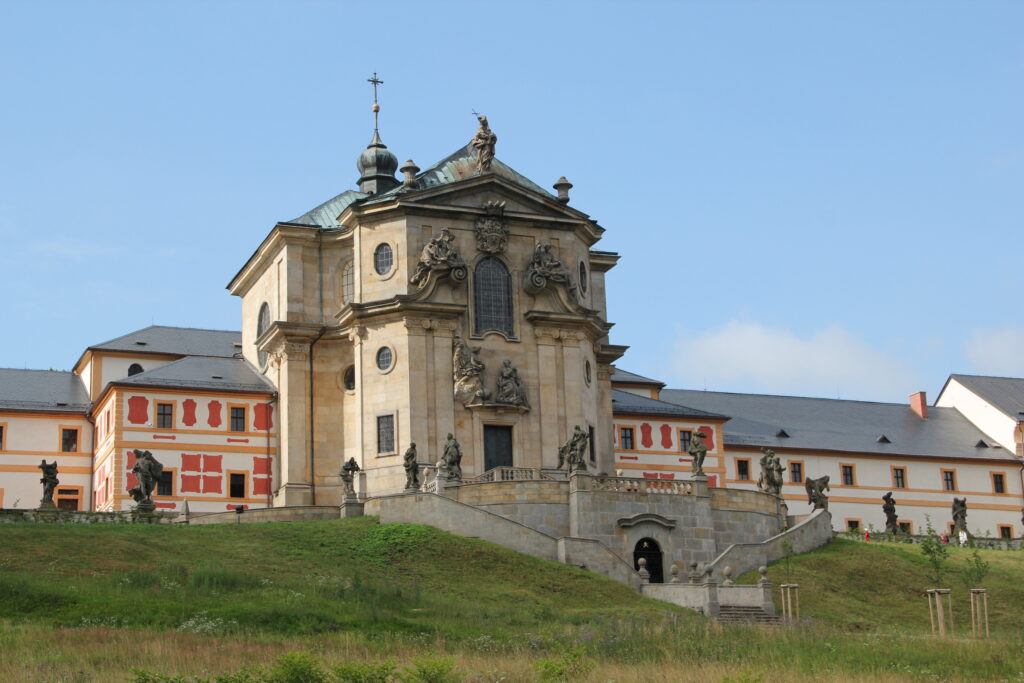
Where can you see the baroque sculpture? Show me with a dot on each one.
(816, 492)
(49, 481)
(771, 473)
(147, 470)
(698, 451)
(467, 368)
(545, 267)
(483, 144)
(439, 255)
(492, 229)
(889, 508)
(510, 387)
(959, 515)
(452, 458)
(412, 468)
(572, 454)
(348, 476)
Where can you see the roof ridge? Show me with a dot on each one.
(70, 372)
(811, 398)
(963, 374)
(160, 327)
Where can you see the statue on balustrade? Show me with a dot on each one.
(439, 255)
(452, 458)
(573, 453)
(816, 492)
(698, 451)
(959, 516)
(49, 482)
(510, 387)
(889, 508)
(348, 477)
(412, 468)
(148, 471)
(771, 473)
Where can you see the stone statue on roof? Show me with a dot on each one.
(483, 143)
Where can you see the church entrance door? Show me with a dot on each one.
(497, 446)
(649, 549)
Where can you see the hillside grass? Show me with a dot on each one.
(880, 587)
(90, 603)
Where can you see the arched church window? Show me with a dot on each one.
(348, 284)
(262, 323)
(583, 278)
(492, 297)
(134, 369)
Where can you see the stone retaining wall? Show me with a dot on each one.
(813, 532)
(293, 513)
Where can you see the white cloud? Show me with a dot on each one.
(996, 351)
(750, 357)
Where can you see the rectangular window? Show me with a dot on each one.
(1005, 531)
(69, 440)
(2, 429)
(906, 527)
(684, 440)
(626, 436)
(236, 485)
(899, 477)
(385, 433)
(590, 442)
(949, 480)
(853, 525)
(998, 482)
(238, 418)
(69, 498)
(743, 470)
(796, 472)
(847, 473)
(164, 415)
(165, 486)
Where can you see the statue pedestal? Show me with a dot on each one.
(45, 504)
(351, 507)
(146, 507)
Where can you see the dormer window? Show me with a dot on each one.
(134, 369)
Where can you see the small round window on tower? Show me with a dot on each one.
(384, 358)
(383, 259)
(350, 378)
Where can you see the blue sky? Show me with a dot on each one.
(818, 198)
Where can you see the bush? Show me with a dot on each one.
(935, 553)
(573, 665)
(428, 669)
(364, 672)
(296, 667)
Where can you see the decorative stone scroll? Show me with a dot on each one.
(816, 492)
(467, 370)
(510, 387)
(492, 229)
(545, 267)
(440, 257)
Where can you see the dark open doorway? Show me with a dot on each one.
(649, 549)
(497, 446)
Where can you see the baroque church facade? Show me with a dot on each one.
(462, 300)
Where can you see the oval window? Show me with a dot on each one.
(383, 259)
(350, 378)
(583, 277)
(384, 358)
(586, 372)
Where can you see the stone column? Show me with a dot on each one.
(604, 447)
(550, 404)
(579, 496)
(293, 444)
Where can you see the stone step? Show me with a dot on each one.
(755, 615)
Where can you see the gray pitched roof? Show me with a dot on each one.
(50, 390)
(325, 215)
(626, 403)
(838, 425)
(1005, 393)
(183, 341)
(630, 378)
(203, 372)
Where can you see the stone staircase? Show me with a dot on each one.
(735, 614)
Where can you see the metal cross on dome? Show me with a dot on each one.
(376, 107)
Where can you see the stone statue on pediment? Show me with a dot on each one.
(483, 144)
(439, 256)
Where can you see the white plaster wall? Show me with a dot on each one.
(986, 417)
(29, 440)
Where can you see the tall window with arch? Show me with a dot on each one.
(492, 297)
(262, 323)
(348, 283)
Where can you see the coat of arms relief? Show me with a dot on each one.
(492, 229)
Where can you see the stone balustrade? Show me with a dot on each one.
(632, 485)
(511, 474)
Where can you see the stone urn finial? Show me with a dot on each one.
(727, 575)
(645, 576)
(563, 186)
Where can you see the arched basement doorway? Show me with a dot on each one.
(649, 549)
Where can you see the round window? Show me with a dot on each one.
(350, 378)
(586, 371)
(583, 277)
(383, 259)
(384, 358)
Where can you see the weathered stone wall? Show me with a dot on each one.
(743, 516)
(812, 533)
(297, 513)
(540, 505)
(596, 557)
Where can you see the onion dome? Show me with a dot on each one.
(377, 166)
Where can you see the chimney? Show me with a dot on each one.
(919, 404)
